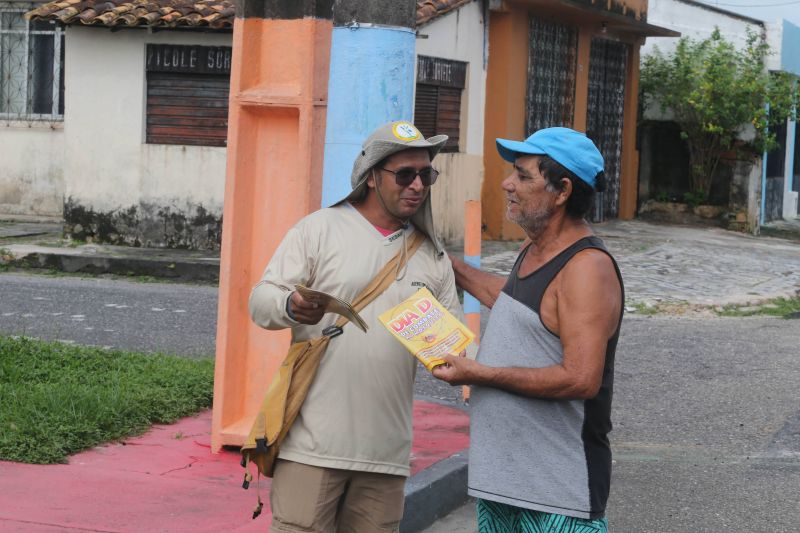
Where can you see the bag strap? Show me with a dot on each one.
(385, 277)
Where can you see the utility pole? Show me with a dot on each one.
(371, 81)
(295, 64)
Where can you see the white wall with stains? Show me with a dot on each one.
(31, 169)
(107, 164)
(459, 35)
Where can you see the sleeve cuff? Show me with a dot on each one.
(288, 308)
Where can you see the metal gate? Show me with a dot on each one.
(552, 58)
(776, 171)
(607, 68)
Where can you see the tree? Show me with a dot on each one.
(715, 92)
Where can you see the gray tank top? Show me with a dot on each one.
(541, 454)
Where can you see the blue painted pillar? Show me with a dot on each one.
(371, 82)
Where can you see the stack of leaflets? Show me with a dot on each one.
(332, 304)
(427, 329)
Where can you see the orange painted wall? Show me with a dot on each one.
(279, 81)
(506, 87)
(505, 112)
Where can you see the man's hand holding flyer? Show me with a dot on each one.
(426, 328)
(332, 304)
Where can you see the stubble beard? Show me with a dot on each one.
(533, 223)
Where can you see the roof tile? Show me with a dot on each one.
(160, 13)
(217, 14)
(427, 10)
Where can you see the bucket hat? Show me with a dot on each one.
(572, 149)
(387, 140)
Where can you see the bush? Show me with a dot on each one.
(715, 91)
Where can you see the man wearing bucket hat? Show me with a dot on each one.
(539, 455)
(345, 459)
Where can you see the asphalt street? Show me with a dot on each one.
(117, 314)
(706, 412)
(706, 428)
(148, 317)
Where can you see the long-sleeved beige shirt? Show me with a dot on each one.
(357, 415)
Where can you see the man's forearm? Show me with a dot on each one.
(482, 285)
(553, 382)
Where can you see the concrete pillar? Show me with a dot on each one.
(629, 168)
(279, 83)
(371, 81)
(580, 118)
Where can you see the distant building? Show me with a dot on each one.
(753, 196)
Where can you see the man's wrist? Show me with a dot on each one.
(289, 307)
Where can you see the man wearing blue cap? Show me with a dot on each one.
(539, 456)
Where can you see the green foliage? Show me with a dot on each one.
(662, 196)
(715, 91)
(693, 199)
(783, 307)
(641, 308)
(58, 399)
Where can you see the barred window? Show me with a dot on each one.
(31, 66)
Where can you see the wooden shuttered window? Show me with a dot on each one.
(437, 105)
(187, 95)
(187, 109)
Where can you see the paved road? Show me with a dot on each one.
(149, 317)
(706, 427)
(707, 420)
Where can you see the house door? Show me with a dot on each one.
(607, 64)
(776, 166)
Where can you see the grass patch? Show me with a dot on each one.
(783, 307)
(58, 399)
(643, 309)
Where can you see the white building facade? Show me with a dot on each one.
(124, 135)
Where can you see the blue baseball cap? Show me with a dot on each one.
(572, 149)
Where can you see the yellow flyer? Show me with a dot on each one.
(426, 328)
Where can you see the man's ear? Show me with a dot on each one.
(371, 179)
(565, 192)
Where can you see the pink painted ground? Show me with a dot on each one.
(168, 480)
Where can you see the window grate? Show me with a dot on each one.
(31, 67)
(607, 71)
(552, 60)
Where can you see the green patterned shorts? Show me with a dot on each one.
(496, 517)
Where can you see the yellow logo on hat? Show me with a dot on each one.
(406, 131)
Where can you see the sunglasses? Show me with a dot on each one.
(406, 176)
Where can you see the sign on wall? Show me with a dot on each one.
(190, 59)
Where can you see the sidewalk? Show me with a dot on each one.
(167, 480)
